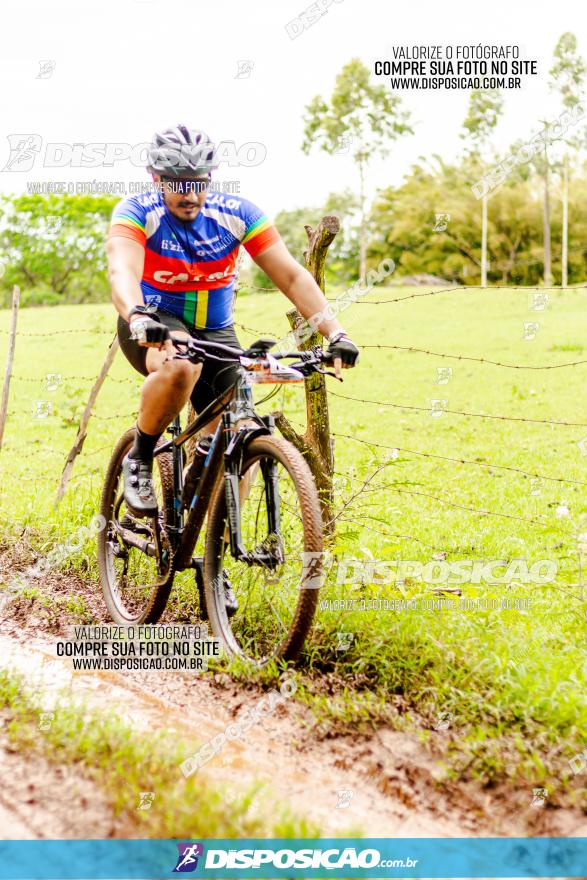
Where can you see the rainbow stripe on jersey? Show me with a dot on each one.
(190, 268)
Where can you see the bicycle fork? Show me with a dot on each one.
(267, 553)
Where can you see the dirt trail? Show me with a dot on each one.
(42, 800)
(275, 754)
(382, 785)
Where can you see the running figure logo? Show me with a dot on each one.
(23, 151)
(187, 861)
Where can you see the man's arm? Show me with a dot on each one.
(126, 260)
(298, 285)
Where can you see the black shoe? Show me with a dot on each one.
(230, 599)
(139, 494)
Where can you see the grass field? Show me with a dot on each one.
(511, 681)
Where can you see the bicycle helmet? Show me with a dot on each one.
(181, 151)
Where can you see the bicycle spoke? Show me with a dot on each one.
(132, 574)
(267, 597)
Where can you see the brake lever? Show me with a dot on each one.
(328, 373)
(303, 368)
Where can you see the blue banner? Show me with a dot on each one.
(370, 858)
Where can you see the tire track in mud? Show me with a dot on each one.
(384, 785)
(397, 786)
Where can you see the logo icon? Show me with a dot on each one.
(437, 407)
(344, 799)
(344, 640)
(344, 144)
(539, 796)
(52, 381)
(146, 800)
(53, 223)
(444, 719)
(42, 409)
(45, 719)
(46, 68)
(539, 301)
(23, 151)
(531, 328)
(444, 375)
(312, 569)
(187, 860)
(441, 222)
(244, 68)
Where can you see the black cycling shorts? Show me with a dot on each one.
(215, 377)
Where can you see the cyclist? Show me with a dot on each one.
(172, 264)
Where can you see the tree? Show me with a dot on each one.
(53, 246)
(361, 117)
(485, 108)
(404, 219)
(567, 75)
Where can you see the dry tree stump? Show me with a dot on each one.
(315, 443)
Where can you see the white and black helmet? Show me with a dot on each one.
(181, 151)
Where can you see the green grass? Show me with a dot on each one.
(514, 680)
(124, 763)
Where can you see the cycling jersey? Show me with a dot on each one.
(190, 267)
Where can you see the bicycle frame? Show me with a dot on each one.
(225, 454)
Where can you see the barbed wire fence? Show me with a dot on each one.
(359, 490)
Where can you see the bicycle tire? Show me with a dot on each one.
(159, 593)
(288, 456)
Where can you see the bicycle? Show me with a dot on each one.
(264, 535)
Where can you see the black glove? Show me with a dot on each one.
(345, 349)
(148, 330)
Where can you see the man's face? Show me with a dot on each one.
(184, 196)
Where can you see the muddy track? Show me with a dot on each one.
(398, 787)
(36, 798)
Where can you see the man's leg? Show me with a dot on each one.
(165, 392)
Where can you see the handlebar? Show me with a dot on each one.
(195, 346)
(196, 349)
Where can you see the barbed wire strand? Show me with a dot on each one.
(458, 289)
(126, 380)
(467, 461)
(478, 510)
(462, 357)
(61, 332)
(457, 412)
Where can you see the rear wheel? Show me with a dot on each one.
(136, 585)
(277, 589)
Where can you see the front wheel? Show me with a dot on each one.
(276, 585)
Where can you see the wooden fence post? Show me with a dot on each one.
(83, 425)
(315, 443)
(9, 360)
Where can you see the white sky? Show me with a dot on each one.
(124, 68)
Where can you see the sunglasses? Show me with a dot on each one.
(183, 185)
